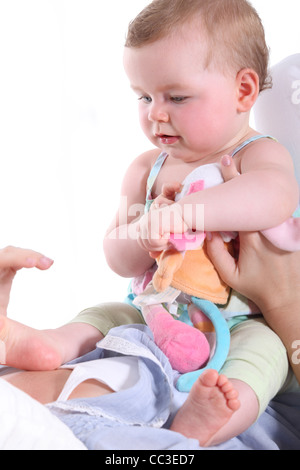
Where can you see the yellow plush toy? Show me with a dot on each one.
(191, 272)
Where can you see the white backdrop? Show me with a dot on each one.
(68, 130)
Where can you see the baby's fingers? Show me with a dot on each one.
(169, 190)
(160, 202)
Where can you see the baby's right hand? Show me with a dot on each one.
(167, 196)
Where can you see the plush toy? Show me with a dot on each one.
(185, 274)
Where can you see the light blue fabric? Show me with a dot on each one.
(139, 417)
(152, 177)
(249, 141)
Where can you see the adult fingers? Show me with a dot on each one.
(223, 261)
(228, 168)
(17, 258)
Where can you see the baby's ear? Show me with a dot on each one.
(247, 82)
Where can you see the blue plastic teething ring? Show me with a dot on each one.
(186, 381)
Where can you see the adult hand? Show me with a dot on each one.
(265, 274)
(12, 259)
(262, 272)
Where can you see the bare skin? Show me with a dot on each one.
(278, 296)
(27, 348)
(210, 405)
(211, 396)
(30, 349)
(206, 415)
(46, 386)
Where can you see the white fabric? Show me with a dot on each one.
(277, 111)
(28, 425)
(210, 174)
(125, 374)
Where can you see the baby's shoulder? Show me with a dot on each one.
(139, 168)
(265, 151)
(150, 156)
(146, 160)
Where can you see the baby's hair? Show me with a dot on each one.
(232, 28)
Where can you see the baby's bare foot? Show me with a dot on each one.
(209, 406)
(25, 348)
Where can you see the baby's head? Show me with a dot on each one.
(232, 29)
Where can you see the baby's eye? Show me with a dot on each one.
(178, 99)
(145, 99)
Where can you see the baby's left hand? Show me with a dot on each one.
(156, 227)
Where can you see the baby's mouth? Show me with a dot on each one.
(168, 139)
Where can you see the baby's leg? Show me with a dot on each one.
(216, 409)
(257, 367)
(26, 348)
(186, 347)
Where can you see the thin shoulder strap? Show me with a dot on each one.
(249, 141)
(154, 173)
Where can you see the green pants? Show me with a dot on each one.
(109, 315)
(256, 356)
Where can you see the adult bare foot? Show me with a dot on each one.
(209, 406)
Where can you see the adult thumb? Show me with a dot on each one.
(222, 260)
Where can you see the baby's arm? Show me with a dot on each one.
(263, 196)
(123, 250)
